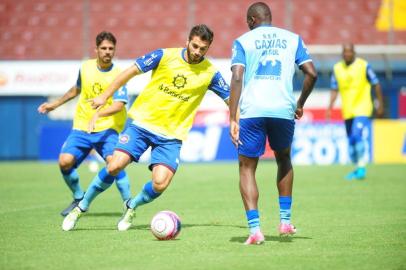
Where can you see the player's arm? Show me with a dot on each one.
(333, 95)
(46, 107)
(303, 60)
(142, 64)
(238, 63)
(73, 92)
(235, 94)
(310, 78)
(114, 108)
(373, 79)
(118, 82)
(120, 99)
(379, 97)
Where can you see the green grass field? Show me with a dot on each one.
(341, 224)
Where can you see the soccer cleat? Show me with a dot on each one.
(125, 205)
(73, 204)
(255, 239)
(286, 229)
(126, 221)
(71, 219)
(360, 173)
(357, 174)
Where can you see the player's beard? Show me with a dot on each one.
(106, 59)
(193, 59)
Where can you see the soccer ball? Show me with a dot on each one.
(165, 225)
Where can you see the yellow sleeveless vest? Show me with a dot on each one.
(169, 102)
(93, 83)
(354, 88)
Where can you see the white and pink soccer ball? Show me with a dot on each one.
(165, 225)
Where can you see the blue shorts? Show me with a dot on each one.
(355, 127)
(79, 144)
(253, 133)
(135, 140)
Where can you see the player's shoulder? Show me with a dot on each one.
(168, 51)
(361, 61)
(340, 63)
(89, 62)
(267, 30)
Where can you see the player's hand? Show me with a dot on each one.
(298, 113)
(97, 102)
(92, 122)
(235, 133)
(379, 111)
(45, 108)
(328, 114)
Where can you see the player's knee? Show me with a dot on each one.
(161, 181)
(114, 168)
(160, 185)
(66, 162)
(282, 157)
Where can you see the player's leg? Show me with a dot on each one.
(358, 130)
(280, 133)
(351, 147)
(105, 147)
(105, 178)
(74, 150)
(164, 163)
(252, 136)
(161, 178)
(100, 183)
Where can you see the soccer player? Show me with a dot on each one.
(162, 116)
(92, 129)
(263, 64)
(352, 78)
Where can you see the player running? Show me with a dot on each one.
(92, 129)
(352, 78)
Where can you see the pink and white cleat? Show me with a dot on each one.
(286, 229)
(255, 239)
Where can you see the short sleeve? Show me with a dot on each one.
(79, 81)
(219, 86)
(149, 61)
(302, 54)
(333, 82)
(121, 95)
(371, 76)
(238, 55)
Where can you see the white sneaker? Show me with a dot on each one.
(70, 220)
(126, 221)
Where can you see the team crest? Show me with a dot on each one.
(97, 88)
(124, 139)
(179, 81)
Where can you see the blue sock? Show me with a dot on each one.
(285, 203)
(253, 220)
(352, 153)
(360, 152)
(100, 183)
(147, 195)
(71, 178)
(123, 185)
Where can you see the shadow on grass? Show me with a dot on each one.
(270, 238)
(104, 214)
(146, 227)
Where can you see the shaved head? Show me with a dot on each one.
(257, 14)
(348, 53)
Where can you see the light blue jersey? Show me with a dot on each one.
(269, 55)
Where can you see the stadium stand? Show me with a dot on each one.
(65, 29)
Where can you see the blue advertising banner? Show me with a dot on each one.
(314, 143)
